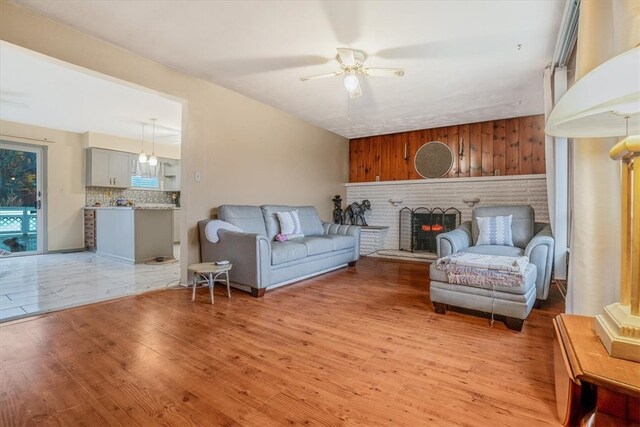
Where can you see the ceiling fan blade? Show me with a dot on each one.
(321, 76)
(346, 56)
(356, 92)
(384, 72)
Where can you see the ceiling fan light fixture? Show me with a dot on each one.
(351, 82)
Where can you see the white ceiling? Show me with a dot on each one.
(462, 59)
(41, 91)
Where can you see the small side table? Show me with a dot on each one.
(591, 386)
(210, 273)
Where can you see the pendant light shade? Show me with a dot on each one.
(142, 158)
(153, 160)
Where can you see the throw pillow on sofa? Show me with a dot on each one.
(495, 230)
(290, 226)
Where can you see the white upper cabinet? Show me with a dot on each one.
(107, 168)
(171, 174)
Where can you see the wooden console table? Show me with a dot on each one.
(591, 386)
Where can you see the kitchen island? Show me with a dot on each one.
(134, 234)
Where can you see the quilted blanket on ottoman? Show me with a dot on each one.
(483, 270)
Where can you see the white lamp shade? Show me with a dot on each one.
(351, 82)
(596, 104)
(153, 160)
(142, 158)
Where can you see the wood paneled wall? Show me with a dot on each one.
(511, 146)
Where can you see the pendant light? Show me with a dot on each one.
(153, 160)
(142, 158)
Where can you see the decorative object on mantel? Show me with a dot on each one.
(354, 214)
(596, 106)
(471, 202)
(419, 227)
(337, 209)
(433, 160)
(395, 202)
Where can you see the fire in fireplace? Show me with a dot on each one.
(419, 227)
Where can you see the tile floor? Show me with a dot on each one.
(37, 284)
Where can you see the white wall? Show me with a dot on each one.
(445, 193)
(245, 151)
(64, 181)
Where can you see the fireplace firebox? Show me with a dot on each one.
(420, 226)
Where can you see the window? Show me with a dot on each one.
(142, 182)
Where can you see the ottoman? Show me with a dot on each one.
(512, 302)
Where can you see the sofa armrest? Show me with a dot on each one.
(345, 230)
(540, 252)
(452, 241)
(249, 253)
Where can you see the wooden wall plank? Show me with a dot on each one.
(538, 158)
(512, 149)
(526, 145)
(512, 146)
(353, 158)
(487, 148)
(463, 134)
(403, 145)
(415, 142)
(499, 146)
(452, 142)
(475, 149)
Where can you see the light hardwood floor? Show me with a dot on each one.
(359, 346)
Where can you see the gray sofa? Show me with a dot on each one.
(260, 262)
(531, 239)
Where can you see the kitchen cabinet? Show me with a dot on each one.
(107, 168)
(171, 174)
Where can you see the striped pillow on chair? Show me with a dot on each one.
(495, 230)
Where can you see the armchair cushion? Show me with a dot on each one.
(494, 230)
(494, 250)
(522, 223)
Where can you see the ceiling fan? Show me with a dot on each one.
(351, 61)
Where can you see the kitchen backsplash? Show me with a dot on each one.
(107, 196)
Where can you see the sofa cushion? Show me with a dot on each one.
(341, 241)
(316, 245)
(494, 250)
(282, 252)
(248, 218)
(522, 223)
(309, 219)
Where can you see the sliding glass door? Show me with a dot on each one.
(21, 218)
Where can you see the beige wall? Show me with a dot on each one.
(64, 183)
(246, 152)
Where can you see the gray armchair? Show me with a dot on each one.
(531, 239)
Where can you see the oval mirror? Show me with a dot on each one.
(433, 160)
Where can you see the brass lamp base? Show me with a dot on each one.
(619, 332)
